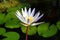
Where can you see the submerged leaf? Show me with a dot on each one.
(11, 36)
(31, 30)
(2, 31)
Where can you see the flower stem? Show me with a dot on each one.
(26, 32)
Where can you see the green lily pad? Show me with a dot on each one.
(11, 15)
(51, 32)
(2, 17)
(58, 25)
(9, 39)
(12, 21)
(42, 28)
(31, 30)
(11, 36)
(2, 31)
(12, 24)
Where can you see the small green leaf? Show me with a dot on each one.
(11, 36)
(2, 17)
(2, 31)
(31, 30)
(51, 32)
(42, 28)
(58, 25)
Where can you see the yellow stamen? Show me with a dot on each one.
(30, 18)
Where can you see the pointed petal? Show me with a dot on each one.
(29, 11)
(18, 13)
(32, 13)
(34, 24)
(20, 16)
(38, 18)
(25, 10)
(23, 13)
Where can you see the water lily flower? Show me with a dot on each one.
(28, 17)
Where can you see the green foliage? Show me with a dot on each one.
(22, 5)
(12, 24)
(31, 30)
(18, 7)
(58, 25)
(46, 31)
(11, 36)
(2, 31)
(42, 28)
(12, 21)
(2, 18)
(51, 32)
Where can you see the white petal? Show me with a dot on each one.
(26, 11)
(18, 13)
(20, 16)
(38, 18)
(23, 12)
(29, 11)
(32, 13)
(34, 24)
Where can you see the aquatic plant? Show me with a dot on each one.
(11, 36)
(58, 25)
(10, 21)
(28, 18)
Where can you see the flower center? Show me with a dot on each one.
(30, 18)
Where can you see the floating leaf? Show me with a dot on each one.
(42, 28)
(10, 16)
(12, 24)
(58, 25)
(31, 30)
(12, 21)
(51, 32)
(2, 31)
(11, 36)
(2, 16)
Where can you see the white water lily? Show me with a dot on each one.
(29, 17)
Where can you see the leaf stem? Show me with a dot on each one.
(26, 32)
